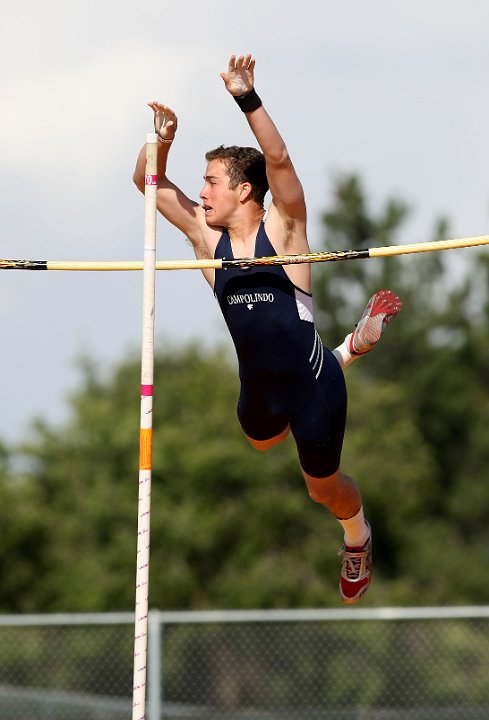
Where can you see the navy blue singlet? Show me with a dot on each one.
(287, 376)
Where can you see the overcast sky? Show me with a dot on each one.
(395, 91)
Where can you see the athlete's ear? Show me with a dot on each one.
(245, 191)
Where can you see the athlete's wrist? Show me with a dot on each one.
(249, 101)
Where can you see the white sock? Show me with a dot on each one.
(343, 354)
(356, 530)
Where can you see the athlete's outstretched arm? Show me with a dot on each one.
(285, 187)
(172, 203)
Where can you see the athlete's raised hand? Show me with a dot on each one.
(165, 120)
(240, 75)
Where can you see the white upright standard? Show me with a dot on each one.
(145, 433)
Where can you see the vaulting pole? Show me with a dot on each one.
(145, 434)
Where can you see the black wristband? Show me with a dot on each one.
(248, 102)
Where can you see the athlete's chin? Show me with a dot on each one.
(211, 220)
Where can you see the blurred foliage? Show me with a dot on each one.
(233, 528)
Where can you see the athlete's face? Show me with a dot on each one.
(218, 200)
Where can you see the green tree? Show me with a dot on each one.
(230, 527)
(22, 535)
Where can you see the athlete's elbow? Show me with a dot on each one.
(138, 182)
(278, 158)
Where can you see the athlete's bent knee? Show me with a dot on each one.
(323, 490)
(270, 442)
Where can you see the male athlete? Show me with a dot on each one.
(290, 382)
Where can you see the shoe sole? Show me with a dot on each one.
(380, 311)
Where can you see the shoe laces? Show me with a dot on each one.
(354, 563)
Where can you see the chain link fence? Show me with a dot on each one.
(352, 664)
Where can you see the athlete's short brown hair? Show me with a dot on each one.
(244, 164)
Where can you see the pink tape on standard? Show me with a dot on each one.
(150, 179)
(146, 390)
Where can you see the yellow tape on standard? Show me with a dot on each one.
(145, 435)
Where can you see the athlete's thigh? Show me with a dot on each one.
(258, 419)
(319, 420)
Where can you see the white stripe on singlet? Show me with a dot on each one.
(304, 305)
(317, 356)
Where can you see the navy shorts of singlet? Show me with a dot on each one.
(288, 378)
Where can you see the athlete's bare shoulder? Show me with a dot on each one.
(288, 237)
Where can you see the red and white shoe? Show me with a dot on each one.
(356, 571)
(380, 311)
